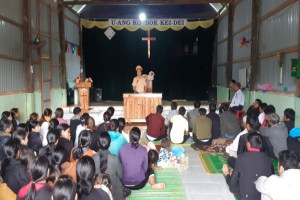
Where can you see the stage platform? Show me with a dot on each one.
(98, 108)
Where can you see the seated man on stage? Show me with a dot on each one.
(139, 84)
(238, 99)
(156, 125)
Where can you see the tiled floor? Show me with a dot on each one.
(198, 184)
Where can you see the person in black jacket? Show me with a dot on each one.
(74, 122)
(34, 138)
(65, 138)
(289, 119)
(215, 119)
(103, 127)
(52, 139)
(14, 173)
(248, 167)
(293, 144)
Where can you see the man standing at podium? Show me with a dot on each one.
(139, 84)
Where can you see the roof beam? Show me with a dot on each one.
(143, 2)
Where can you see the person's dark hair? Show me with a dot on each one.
(76, 110)
(134, 137)
(22, 127)
(212, 107)
(53, 123)
(290, 114)
(202, 111)
(288, 159)
(111, 111)
(122, 123)
(84, 118)
(182, 111)
(233, 81)
(113, 125)
(52, 137)
(263, 106)
(5, 124)
(38, 171)
(165, 143)
(255, 140)
(87, 122)
(104, 179)
(64, 188)
(10, 149)
(258, 101)
(47, 113)
(32, 124)
(26, 156)
(63, 127)
(54, 173)
(84, 141)
(173, 105)
(59, 156)
(15, 110)
(270, 109)
(224, 107)
(12, 114)
(19, 135)
(33, 116)
(253, 122)
(152, 157)
(59, 113)
(159, 109)
(106, 116)
(5, 115)
(104, 143)
(197, 104)
(85, 171)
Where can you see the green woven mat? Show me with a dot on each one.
(213, 162)
(174, 188)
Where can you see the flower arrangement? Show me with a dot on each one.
(77, 79)
(88, 80)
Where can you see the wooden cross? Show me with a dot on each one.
(148, 38)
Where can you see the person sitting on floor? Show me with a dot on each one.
(166, 157)
(191, 115)
(172, 113)
(74, 122)
(111, 111)
(289, 118)
(5, 192)
(64, 188)
(65, 138)
(254, 108)
(275, 135)
(261, 116)
(59, 114)
(238, 100)
(215, 119)
(156, 125)
(268, 111)
(117, 139)
(293, 142)
(228, 122)
(248, 167)
(179, 127)
(286, 185)
(202, 130)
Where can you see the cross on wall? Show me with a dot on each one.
(149, 39)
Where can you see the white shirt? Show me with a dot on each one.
(232, 149)
(78, 130)
(238, 99)
(261, 117)
(43, 132)
(179, 126)
(170, 115)
(283, 187)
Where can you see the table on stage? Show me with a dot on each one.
(138, 106)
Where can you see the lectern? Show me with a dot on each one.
(84, 95)
(138, 106)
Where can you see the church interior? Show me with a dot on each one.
(87, 54)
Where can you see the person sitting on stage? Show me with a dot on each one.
(238, 99)
(191, 115)
(215, 119)
(156, 125)
(284, 186)
(139, 83)
(172, 113)
(289, 118)
(202, 130)
(228, 122)
(179, 126)
(248, 167)
(276, 135)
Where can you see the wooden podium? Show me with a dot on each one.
(84, 95)
(138, 106)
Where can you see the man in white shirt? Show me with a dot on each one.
(238, 99)
(179, 127)
(286, 185)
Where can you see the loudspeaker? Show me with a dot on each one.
(212, 94)
(98, 94)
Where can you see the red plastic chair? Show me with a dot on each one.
(239, 114)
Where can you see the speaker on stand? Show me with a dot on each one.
(98, 95)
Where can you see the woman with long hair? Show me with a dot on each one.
(52, 139)
(34, 138)
(83, 148)
(65, 138)
(109, 164)
(117, 139)
(64, 188)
